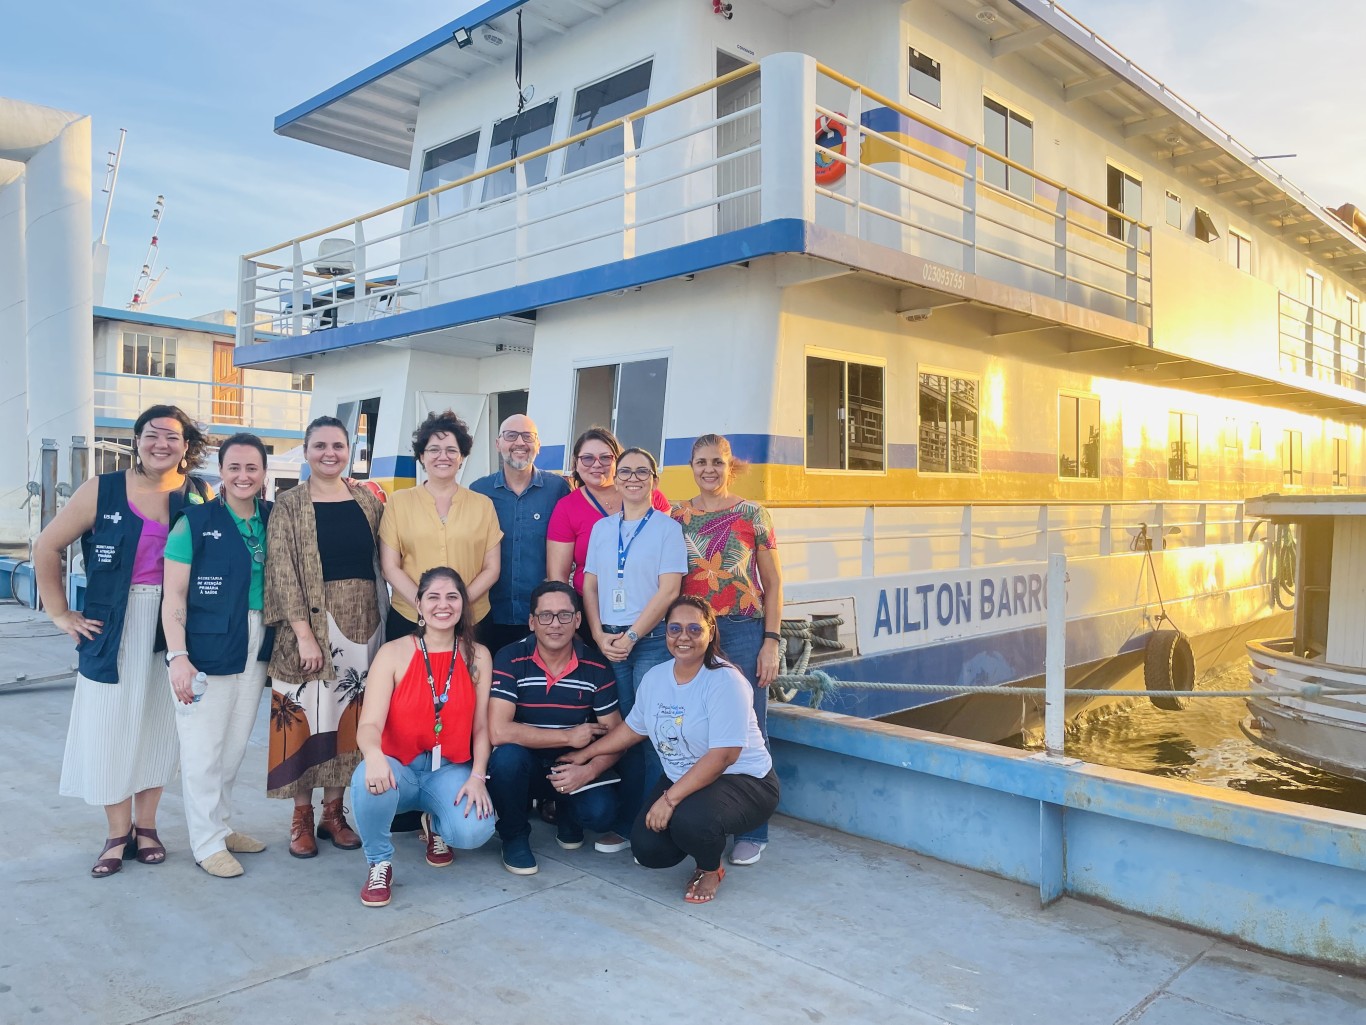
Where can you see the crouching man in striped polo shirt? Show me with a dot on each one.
(551, 694)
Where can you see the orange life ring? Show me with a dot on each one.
(831, 135)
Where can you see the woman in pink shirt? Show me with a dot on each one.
(594, 497)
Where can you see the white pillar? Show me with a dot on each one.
(786, 115)
(14, 469)
(61, 346)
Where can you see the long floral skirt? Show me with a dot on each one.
(313, 724)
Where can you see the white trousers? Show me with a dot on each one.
(213, 741)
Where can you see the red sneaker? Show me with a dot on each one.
(378, 883)
(438, 854)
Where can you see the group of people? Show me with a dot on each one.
(449, 652)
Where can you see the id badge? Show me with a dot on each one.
(436, 757)
(618, 599)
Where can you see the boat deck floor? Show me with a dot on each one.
(826, 928)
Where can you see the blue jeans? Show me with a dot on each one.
(419, 789)
(639, 766)
(519, 774)
(741, 639)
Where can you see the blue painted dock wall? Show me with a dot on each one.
(1284, 877)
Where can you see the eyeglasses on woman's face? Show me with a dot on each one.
(564, 618)
(634, 473)
(692, 629)
(512, 436)
(450, 452)
(603, 460)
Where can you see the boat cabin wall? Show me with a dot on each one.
(383, 394)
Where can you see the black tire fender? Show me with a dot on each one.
(1168, 669)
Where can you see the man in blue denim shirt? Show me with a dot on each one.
(524, 498)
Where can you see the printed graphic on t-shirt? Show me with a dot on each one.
(669, 741)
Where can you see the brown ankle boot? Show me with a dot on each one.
(301, 842)
(333, 826)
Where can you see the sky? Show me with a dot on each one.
(198, 87)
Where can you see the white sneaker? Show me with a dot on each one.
(746, 852)
(610, 843)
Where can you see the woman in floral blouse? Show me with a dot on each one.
(733, 565)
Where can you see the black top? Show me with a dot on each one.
(345, 544)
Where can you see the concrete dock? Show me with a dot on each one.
(826, 928)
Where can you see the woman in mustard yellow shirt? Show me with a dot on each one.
(438, 523)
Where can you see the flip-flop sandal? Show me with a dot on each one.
(108, 866)
(153, 855)
(697, 878)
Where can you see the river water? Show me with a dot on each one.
(1203, 744)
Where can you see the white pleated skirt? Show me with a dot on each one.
(122, 737)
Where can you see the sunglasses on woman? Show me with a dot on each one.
(694, 629)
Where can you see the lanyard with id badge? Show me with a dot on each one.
(623, 550)
(438, 700)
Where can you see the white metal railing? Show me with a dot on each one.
(697, 175)
(822, 542)
(1279, 675)
(124, 397)
(1317, 344)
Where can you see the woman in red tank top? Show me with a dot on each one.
(424, 735)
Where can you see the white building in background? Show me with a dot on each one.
(45, 303)
(142, 359)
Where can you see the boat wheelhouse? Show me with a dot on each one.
(963, 284)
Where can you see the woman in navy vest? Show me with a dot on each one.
(216, 641)
(121, 745)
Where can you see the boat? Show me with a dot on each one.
(1312, 705)
(964, 284)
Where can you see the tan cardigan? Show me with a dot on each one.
(294, 578)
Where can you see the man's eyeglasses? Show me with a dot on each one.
(449, 453)
(606, 460)
(694, 629)
(511, 436)
(563, 618)
(644, 473)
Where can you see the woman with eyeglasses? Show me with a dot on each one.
(595, 496)
(439, 523)
(424, 733)
(633, 569)
(718, 779)
(121, 746)
(733, 566)
(326, 600)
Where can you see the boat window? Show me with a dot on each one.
(1174, 210)
(361, 420)
(627, 397)
(845, 425)
(1230, 436)
(1240, 251)
(1123, 192)
(1353, 310)
(1010, 134)
(301, 382)
(1183, 447)
(1339, 462)
(447, 163)
(1313, 289)
(1254, 436)
(600, 103)
(148, 355)
(924, 77)
(1079, 437)
(949, 424)
(522, 133)
(1205, 230)
(1292, 457)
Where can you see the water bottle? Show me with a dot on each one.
(200, 685)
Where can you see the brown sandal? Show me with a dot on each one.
(108, 866)
(153, 855)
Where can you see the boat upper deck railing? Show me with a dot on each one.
(123, 397)
(711, 160)
(1318, 344)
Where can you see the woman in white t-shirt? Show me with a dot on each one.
(698, 712)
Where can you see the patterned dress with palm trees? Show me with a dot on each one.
(313, 724)
(722, 548)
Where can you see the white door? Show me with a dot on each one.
(731, 137)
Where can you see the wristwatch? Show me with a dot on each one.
(171, 656)
(632, 636)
